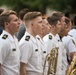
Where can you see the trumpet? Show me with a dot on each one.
(51, 58)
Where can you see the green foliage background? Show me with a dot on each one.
(67, 6)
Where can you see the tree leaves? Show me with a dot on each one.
(60, 5)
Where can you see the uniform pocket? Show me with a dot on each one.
(14, 56)
(35, 57)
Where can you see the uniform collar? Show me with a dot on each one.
(9, 35)
(38, 37)
(58, 37)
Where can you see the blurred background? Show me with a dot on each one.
(45, 6)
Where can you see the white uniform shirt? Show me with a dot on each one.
(9, 55)
(62, 51)
(50, 43)
(44, 53)
(69, 45)
(43, 47)
(73, 33)
(55, 42)
(31, 55)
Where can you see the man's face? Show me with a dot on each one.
(62, 23)
(37, 25)
(46, 27)
(58, 27)
(67, 29)
(14, 23)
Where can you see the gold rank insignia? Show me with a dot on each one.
(50, 37)
(27, 38)
(5, 36)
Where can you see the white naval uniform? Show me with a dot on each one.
(69, 45)
(62, 60)
(9, 55)
(64, 56)
(44, 53)
(73, 33)
(50, 43)
(31, 55)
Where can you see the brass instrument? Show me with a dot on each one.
(72, 68)
(51, 58)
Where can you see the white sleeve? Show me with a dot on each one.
(71, 46)
(26, 51)
(0, 57)
(4, 50)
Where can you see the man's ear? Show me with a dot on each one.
(53, 26)
(66, 26)
(31, 23)
(6, 24)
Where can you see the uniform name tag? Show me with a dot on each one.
(14, 49)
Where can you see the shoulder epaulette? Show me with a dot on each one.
(50, 37)
(73, 42)
(5, 36)
(70, 35)
(27, 38)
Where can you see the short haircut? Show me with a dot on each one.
(23, 12)
(58, 14)
(1, 10)
(52, 20)
(67, 20)
(74, 20)
(31, 15)
(4, 17)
